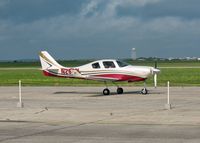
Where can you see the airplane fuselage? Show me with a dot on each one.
(101, 70)
(107, 69)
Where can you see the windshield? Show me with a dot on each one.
(122, 64)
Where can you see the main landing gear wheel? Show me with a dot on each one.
(144, 91)
(120, 90)
(106, 91)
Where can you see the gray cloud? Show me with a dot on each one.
(186, 9)
(98, 28)
(29, 11)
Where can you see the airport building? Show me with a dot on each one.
(133, 54)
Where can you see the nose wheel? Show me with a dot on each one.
(144, 91)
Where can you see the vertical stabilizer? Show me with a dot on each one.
(48, 62)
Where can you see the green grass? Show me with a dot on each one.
(16, 64)
(12, 72)
(167, 63)
(34, 77)
(179, 77)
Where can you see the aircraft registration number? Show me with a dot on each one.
(70, 71)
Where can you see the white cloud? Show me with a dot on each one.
(132, 2)
(64, 26)
(110, 6)
(89, 7)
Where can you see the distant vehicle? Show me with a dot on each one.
(102, 70)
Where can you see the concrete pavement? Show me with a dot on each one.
(83, 114)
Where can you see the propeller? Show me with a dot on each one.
(155, 73)
(155, 80)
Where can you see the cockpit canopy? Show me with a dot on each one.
(108, 64)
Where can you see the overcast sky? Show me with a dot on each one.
(85, 29)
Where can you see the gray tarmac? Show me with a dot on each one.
(84, 115)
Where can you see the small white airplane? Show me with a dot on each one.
(101, 70)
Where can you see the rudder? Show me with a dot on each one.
(47, 61)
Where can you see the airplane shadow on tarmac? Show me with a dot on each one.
(95, 94)
(91, 94)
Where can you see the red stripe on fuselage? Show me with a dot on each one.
(118, 77)
(122, 77)
(50, 74)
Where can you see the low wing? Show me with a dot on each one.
(115, 77)
(99, 78)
